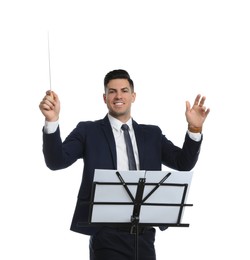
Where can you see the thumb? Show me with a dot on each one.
(54, 95)
(187, 106)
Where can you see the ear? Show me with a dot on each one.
(133, 97)
(104, 98)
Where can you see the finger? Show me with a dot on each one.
(207, 112)
(44, 106)
(197, 100)
(51, 97)
(202, 101)
(51, 93)
(48, 102)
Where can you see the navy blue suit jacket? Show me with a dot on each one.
(93, 141)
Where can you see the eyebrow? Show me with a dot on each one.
(114, 89)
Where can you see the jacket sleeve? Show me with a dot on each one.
(59, 155)
(181, 159)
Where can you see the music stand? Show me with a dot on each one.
(142, 198)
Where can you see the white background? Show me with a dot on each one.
(173, 50)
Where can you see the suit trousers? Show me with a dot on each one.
(115, 244)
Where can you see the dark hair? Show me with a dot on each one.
(118, 74)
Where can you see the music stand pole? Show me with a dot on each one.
(136, 214)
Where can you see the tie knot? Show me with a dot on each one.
(125, 127)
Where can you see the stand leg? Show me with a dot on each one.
(136, 242)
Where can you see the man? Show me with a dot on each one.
(101, 144)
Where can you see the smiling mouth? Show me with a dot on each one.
(118, 103)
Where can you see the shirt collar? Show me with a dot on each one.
(116, 124)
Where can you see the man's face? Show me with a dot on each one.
(119, 98)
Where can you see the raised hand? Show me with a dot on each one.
(197, 114)
(50, 106)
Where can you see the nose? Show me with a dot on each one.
(118, 95)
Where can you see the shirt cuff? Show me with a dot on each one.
(50, 127)
(194, 136)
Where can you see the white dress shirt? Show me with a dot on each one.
(122, 158)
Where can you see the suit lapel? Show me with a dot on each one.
(110, 139)
(140, 143)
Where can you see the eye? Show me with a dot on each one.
(111, 91)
